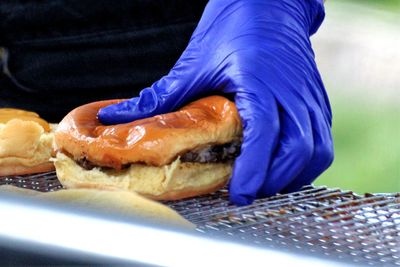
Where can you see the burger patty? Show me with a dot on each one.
(213, 153)
(209, 154)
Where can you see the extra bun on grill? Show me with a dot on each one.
(118, 202)
(171, 156)
(25, 143)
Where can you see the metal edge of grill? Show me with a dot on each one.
(330, 222)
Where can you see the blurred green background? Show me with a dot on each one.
(384, 4)
(358, 53)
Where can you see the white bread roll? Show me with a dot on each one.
(25, 148)
(114, 202)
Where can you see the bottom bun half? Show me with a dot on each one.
(177, 180)
(11, 167)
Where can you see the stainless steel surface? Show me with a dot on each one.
(48, 234)
(329, 222)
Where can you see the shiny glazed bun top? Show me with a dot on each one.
(154, 141)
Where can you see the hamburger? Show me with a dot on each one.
(25, 143)
(166, 157)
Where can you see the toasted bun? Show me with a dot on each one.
(115, 202)
(170, 182)
(25, 146)
(155, 141)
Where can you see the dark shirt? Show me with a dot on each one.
(63, 53)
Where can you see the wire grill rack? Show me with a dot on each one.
(339, 224)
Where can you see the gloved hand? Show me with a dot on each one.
(259, 52)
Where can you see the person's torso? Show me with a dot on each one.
(61, 54)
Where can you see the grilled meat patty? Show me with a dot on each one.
(208, 154)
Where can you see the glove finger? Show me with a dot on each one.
(184, 83)
(322, 155)
(126, 111)
(162, 97)
(260, 134)
(294, 150)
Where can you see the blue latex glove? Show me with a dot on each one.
(259, 52)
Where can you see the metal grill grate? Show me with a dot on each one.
(325, 221)
(364, 229)
(43, 182)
